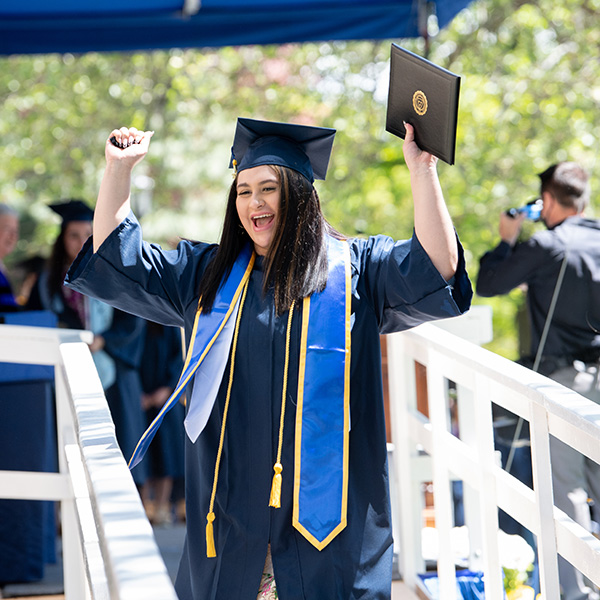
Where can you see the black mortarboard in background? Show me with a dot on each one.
(73, 210)
(426, 96)
(304, 148)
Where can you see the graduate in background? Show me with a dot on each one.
(286, 461)
(73, 310)
(48, 293)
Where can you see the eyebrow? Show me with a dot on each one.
(244, 184)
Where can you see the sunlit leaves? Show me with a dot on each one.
(529, 99)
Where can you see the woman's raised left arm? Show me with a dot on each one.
(433, 225)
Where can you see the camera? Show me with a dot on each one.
(532, 210)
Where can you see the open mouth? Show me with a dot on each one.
(262, 221)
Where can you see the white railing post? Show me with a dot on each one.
(467, 428)
(440, 423)
(402, 402)
(73, 561)
(484, 436)
(542, 483)
(134, 567)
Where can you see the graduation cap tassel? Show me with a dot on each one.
(275, 500)
(210, 536)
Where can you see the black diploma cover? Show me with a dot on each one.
(426, 96)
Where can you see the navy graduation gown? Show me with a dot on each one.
(124, 341)
(161, 365)
(394, 286)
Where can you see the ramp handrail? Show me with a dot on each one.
(426, 450)
(109, 550)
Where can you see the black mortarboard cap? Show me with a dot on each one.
(73, 210)
(304, 148)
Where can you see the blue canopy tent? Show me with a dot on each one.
(42, 26)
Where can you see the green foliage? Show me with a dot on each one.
(514, 579)
(529, 97)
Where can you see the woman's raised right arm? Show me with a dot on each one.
(113, 203)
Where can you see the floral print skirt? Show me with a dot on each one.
(267, 589)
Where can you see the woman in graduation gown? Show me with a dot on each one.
(285, 449)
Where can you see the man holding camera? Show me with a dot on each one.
(561, 269)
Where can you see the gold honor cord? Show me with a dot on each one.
(275, 500)
(210, 517)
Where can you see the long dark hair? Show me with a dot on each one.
(295, 265)
(57, 264)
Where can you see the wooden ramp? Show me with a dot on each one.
(401, 592)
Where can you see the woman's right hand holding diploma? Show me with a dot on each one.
(124, 148)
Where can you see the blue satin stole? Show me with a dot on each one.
(323, 411)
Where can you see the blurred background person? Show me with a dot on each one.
(561, 268)
(48, 292)
(73, 310)
(9, 236)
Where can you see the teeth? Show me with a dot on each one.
(262, 217)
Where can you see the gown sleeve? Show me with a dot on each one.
(141, 278)
(402, 285)
(124, 339)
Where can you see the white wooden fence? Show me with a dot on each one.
(481, 378)
(109, 551)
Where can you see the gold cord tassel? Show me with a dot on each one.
(210, 536)
(211, 551)
(275, 500)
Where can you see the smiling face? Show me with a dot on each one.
(257, 203)
(75, 235)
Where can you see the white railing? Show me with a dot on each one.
(109, 550)
(426, 450)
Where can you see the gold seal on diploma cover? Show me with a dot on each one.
(420, 102)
